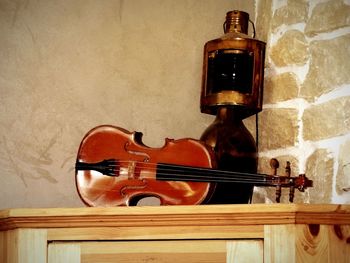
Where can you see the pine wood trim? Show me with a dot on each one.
(201, 215)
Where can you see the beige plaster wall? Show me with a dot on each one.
(68, 66)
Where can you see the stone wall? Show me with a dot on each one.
(306, 116)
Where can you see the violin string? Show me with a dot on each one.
(182, 178)
(158, 167)
(195, 174)
(202, 176)
(200, 171)
(162, 174)
(193, 178)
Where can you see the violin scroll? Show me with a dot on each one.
(302, 182)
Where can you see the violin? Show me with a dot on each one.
(115, 168)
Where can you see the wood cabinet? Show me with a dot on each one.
(206, 233)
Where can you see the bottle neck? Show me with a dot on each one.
(227, 114)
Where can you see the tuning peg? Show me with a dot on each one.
(274, 164)
(288, 169)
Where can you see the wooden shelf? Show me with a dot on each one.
(263, 232)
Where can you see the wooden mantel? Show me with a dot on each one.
(254, 214)
(258, 232)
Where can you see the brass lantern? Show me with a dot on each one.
(233, 69)
(232, 89)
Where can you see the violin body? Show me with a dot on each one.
(133, 166)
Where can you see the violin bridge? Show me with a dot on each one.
(131, 170)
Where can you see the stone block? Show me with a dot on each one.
(329, 67)
(327, 17)
(280, 88)
(290, 49)
(327, 120)
(343, 175)
(296, 11)
(278, 128)
(319, 168)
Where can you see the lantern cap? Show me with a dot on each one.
(236, 21)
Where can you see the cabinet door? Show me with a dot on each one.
(307, 243)
(185, 251)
